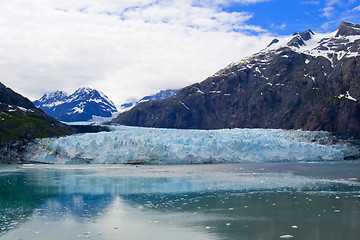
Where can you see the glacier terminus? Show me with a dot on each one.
(137, 145)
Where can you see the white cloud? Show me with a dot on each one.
(356, 9)
(126, 49)
(281, 27)
(226, 2)
(330, 10)
(337, 11)
(310, 2)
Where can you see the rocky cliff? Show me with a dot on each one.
(307, 81)
(20, 122)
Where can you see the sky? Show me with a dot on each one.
(132, 48)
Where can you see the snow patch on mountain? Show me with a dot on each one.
(342, 43)
(163, 94)
(332, 46)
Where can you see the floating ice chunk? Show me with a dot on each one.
(84, 235)
(287, 236)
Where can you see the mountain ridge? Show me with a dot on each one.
(20, 120)
(83, 105)
(163, 94)
(306, 81)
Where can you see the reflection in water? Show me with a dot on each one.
(268, 201)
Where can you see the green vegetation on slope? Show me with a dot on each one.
(19, 124)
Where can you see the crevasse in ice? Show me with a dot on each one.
(173, 146)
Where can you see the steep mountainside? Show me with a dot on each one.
(308, 81)
(83, 105)
(21, 120)
(163, 94)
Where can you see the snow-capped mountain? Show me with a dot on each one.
(163, 94)
(83, 105)
(307, 81)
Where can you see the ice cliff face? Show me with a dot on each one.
(131, 145)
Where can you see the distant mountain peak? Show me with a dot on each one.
(84, 90)
(163, 94)
(83, 105)
(59, 95)
(343, 43)
(300, 38)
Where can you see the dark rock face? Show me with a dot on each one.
(300, 38)
(348, 29)
(8, 96)
(287, 85)
(13, 152)
(20, 122)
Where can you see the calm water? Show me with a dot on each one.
(230, 201)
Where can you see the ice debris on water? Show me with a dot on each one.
(135, 145)
(287, 236)
(84, 235)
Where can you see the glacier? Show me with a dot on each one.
(137, 145)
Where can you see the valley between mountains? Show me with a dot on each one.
(307, 81)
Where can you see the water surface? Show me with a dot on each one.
(226, 201)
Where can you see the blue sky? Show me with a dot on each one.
(285, 17)
(132, 48)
